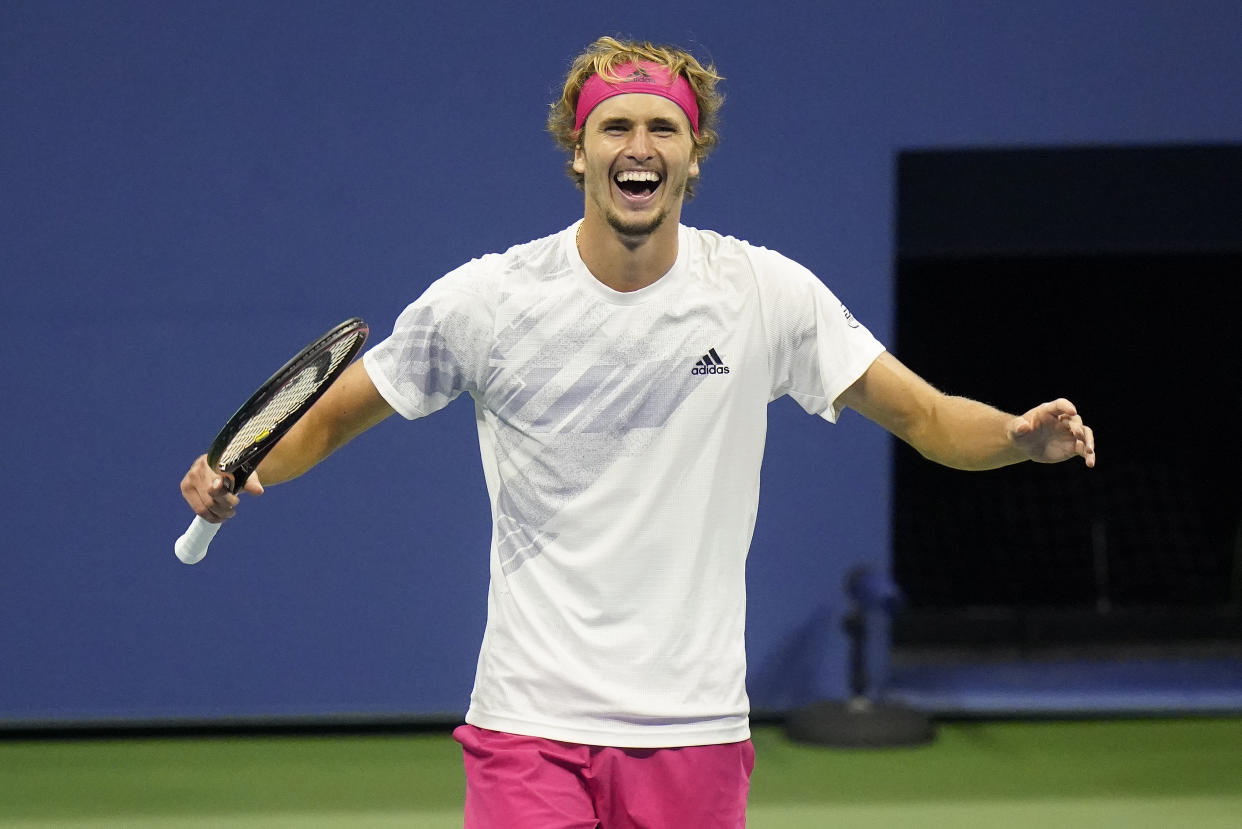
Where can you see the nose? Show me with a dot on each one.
(639, 147)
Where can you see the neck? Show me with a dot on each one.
(623, 262)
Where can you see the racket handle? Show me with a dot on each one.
(193, 543)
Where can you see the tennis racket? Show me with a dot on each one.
(263, 419)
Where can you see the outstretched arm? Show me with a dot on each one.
(349, 407)
(963, 433)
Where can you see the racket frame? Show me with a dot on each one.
(234, 475)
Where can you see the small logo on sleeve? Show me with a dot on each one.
(710, 364)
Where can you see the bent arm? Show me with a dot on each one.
(963, 433)
(348, 408)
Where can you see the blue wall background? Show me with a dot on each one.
(189, 191)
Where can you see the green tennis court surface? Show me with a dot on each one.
(1099, 774)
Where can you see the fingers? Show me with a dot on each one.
(1084, 437)
(1055, 410)
(208, 493)
(1086, 444)
(1051, 412)
(1056, 432)
(1061, 407)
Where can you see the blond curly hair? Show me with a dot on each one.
(601, 58)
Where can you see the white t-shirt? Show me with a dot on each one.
(621, 436)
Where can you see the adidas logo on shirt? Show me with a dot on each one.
(710, 364)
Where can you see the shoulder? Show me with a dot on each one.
(720, 250)
(777, 284)
(790, 295)
(486, 276)
(538, 255)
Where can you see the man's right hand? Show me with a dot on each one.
(204, 490)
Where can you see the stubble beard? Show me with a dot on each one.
(636, 230)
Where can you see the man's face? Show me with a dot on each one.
(636, 155)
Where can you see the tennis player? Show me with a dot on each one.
(621, 371)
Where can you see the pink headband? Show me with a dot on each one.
(644, 76)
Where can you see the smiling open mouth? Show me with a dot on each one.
(638, 183)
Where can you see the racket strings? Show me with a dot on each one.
(287, 398)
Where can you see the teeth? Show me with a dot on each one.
(638, 175)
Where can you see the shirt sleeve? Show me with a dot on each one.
(438, 347)
(817, 349)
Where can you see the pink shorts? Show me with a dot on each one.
(515, 782)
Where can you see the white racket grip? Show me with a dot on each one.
(193, 543)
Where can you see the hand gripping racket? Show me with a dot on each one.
(263, 419)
